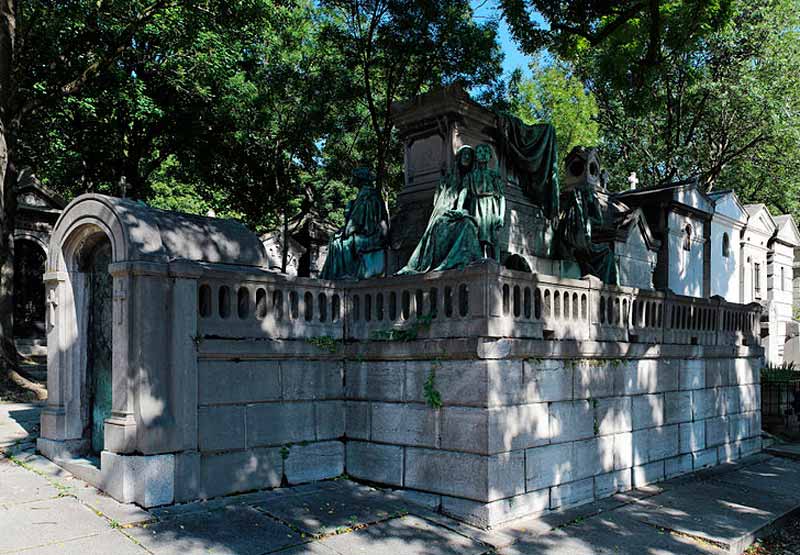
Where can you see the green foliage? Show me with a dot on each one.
(554, 94)
(406, 333)
(325, 343)
(780, 372)
(432, 396)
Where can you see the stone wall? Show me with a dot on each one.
(521, 435)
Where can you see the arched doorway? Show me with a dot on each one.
(94, 259)
(29, 309)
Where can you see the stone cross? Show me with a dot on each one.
(120, 294)
(52, 305)
(633, 180)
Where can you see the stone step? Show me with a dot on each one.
(34, 372)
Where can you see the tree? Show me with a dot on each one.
(59, 39)
(553, 94)
(397, 49)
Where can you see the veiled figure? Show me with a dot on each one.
(451, 236)
(487, 201)
(358, 251)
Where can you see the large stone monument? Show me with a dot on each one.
(182, 368)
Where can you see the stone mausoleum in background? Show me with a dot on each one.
(181, 367)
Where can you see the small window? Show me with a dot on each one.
(782, 285)
(757, 278)
(687, 239)
(726, 245)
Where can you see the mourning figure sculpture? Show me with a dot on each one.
(358, 250)
(451, 236)
(487, 201)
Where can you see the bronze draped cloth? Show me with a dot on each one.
(533, 152)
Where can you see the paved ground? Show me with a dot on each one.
(44, 510)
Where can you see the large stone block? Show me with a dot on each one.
(654, 444)
(225, 381)
(650, 376)
(148, 481)
(717, 431)
(692, 374)
(612, 482)
(648, 411)
(549, 465)
(727, 401)
(478, 383)
(280, 423)
(750, 446)
(546, 380)
(357, 419)
(518, 427)
(593, 456)
(221, 428)
(477, 477)
(187, 476)
(727, 452)
(240, 471)
(330, 419)
(377, 381)
(593, 381)
(316, 461)
(748, 398)
(623, 450)
(747, 371)
(676, 466)
(648, 473)
(704, 458)
(614, 415)
(677, 407)
(571, 421)
(573, 493)
(405, 424)
(497, 512)
(719, 372)
(692, 436)
(704, 403)
(375, 462)
(466, 429)
(312, 379)
(739, 427)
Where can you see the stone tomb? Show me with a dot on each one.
(180, 368)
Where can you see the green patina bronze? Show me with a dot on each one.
(487, 201)
(532, 152)
(451, 236)
(581, 212)
(358, 250)
(99, 330)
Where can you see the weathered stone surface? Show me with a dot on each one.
(571, 420)
(112, 541)
(405, 424)
(382, 464)
(614, 415)
(648, 411)
(497, 512)
(280, 423)
(546, 380)
(704, 403)
(304, 379)
(717, 431)
(593, 456)
(18, 485)
(221, 428)
(677, 407)
(623, 451)
(573, 493)
(654, 444)
(357, 419)
(612, 482)
(693, 374)
(240, 471)
(648, 473)
(518, 427)
(676, 466)
(317, 461)
(223, 381)
(595, 381)
(468, 383)
(330, 419)
(377, 381)
(650, 376)
(705, 458)
(549, 465)
(692, 436)
(468, 429)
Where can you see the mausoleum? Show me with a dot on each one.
(181, 367)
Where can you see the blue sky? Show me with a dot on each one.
(513, 57)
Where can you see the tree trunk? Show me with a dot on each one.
(8, 205)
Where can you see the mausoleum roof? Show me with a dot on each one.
(142, 233)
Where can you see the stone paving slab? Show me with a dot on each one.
(610, 533)
(725, 514)
(113, 542)
(18, 485)
(326, 511)
(408, 535)
(233, 530)
(788, 450)
(44, 522)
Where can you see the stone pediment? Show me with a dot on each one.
(32, 194)
(727, 204)
(760, 220)
(787, 230)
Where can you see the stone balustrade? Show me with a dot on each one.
(483, 300)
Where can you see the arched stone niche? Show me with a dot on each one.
(150, 414)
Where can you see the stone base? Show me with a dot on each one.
(66, 449)
(148, 481)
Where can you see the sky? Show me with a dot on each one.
(513, 57)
